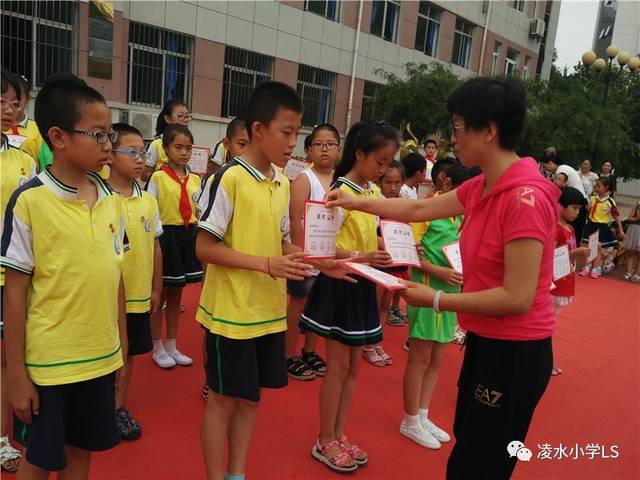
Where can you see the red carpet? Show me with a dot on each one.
(595, 401)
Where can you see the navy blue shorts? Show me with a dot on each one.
(77, 414)
(240, 368)
(139, 333)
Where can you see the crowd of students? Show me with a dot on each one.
(121, 228)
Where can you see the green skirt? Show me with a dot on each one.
(425, 323)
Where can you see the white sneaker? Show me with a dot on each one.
(437, 432)
(163, 360)
(180, 358)
(418, 434)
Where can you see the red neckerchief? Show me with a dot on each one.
(185, 203)
(14, 130)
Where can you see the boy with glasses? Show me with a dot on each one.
(142, 265)
(62, 249)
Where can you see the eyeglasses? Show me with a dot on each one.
(184, 116)
(455, 127)
(101, 137)
(328, 146)
(132, 153)
(14, 104)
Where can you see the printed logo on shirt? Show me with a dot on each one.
(22, 181)
(284, 225)
(487, 397)
(195, 196)
(147, 224)
(526, 196)
(116, 244)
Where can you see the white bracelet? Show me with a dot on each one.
(436, 301)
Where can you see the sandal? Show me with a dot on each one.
(371, 356)
(299, 370)
(556, 371)
(9, 456)
(627, 276)
(400, 314)
(205, 392)
(134, 427)
(334, 457)
(359, 456)
(635, 278)
(386, 358)
(314, 362)
(394, 320)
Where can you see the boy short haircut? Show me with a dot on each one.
(414, 163)
(265, 101)
(571, 196)
(125, 129)
(458, 174)
(483, 100)
(443, 165)
(59, 103)
(233, 127)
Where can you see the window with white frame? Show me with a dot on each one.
(428, 28)
(38, 38)
(462, 43)
(495, 57)
(519, 5)
(368, 99)
(243, 71)
(525, 68)
(159, 65)
(316, 87)
(384, 19)
(511, 61)
(327, 8)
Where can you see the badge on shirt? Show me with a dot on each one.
(195, 196)
(16, 141)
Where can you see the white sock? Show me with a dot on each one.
(423, 413)
(170, 345)
(412, 420)
(157, 346)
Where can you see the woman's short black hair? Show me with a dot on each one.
(571, 196)
(483, 100)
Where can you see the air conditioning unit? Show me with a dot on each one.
(145, 122)
(536, 28)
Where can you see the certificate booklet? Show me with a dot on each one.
(376, 276)
(561, 262)
(399, 243)
(321, 225)
(452, 252)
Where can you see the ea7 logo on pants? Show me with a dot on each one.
(487, 397)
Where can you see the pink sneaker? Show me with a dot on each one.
(584, 272)
(594, 274)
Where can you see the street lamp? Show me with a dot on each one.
(608, 72)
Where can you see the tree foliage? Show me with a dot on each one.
(565, 112)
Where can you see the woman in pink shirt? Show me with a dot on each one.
(507, 241)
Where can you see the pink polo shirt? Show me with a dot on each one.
(521, 204)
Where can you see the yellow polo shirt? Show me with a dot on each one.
(157, 156)
(167, 192)
(16, 168)
(73, 254)
(28, 137)
(248, 213)
(143, 228)
(602, 210)
(358, 231)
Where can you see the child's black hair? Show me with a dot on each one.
(443, 165)
(481, 101)
(414, 163)
(606, 181)
(124, 129)
(172, 131)
(566, 177)
(9, 79)
(458, 174)
(236, 124)
(25, 84)
(265, 101)
(307, 142)
(366, 137)
(324, 126)
(59, 103)
(169, 107)
(394, 165)
(571, 196)
(430, 140)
